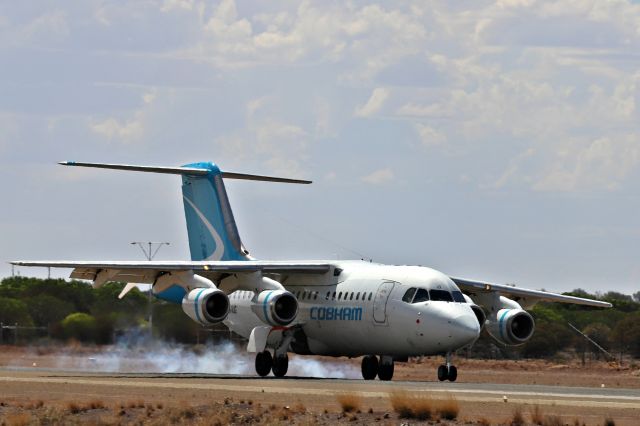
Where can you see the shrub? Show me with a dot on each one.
(349, 402)
(80, 326)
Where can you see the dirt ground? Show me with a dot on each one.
(32, 392)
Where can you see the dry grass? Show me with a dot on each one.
(536, 415)
(448, 408)
(409, 406)
(517, 419)
(349, 402)
(17, 419)
(422, 406)
(483, 421)
(553, 421)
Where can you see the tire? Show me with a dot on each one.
(385, 371)
(264, 362)
(280, 365)
(369, 367)
(443, 374)
(453, 373)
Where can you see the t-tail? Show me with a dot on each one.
(211, 227)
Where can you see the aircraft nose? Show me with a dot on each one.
(465, 328)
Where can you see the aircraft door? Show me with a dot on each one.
(380, 302)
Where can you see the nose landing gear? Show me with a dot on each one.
(447, 371)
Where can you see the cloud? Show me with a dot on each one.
(127, 129)
(430, 136)
(379, 177)
(602, 163)
(374, 104)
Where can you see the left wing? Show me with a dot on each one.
(529, 297)
(147, 272)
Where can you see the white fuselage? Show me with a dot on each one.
(361, 311)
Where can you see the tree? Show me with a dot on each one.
(80, 326)
(46, 309)
(14, 311)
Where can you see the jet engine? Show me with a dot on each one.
(206, 306)
(275, 307)
(511, 326)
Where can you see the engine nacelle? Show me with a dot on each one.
(511, 326)
(206, 306)
(275, 307)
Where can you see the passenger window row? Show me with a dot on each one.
(313, 295)
(418, 295)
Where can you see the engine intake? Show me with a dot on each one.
(511, 326)
(275, 307)
(206, 306)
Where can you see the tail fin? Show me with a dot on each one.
(211, 227)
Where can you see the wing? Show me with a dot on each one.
(528, 297)
(147, 272)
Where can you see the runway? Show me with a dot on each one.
(314, 389)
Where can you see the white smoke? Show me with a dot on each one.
(162, 357)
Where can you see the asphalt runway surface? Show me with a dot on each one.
(154, 384)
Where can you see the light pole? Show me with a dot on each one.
(147, 248)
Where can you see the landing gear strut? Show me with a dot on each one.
(447, 371)
(264, 363)
(385, 369)
(369, 367)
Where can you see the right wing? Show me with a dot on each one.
(524, 295)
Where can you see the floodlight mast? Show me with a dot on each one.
(147, 248)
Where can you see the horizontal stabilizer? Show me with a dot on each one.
(184, 170)
(151, 169)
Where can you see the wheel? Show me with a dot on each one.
(443, 374)
(369, 367)
(453, 373)
(385, 369)
(280, 365)
(264, 362)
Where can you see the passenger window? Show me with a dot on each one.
(408, 296)
(351, 296)
(315, 295)
(441, 295)
(327, 296)
(422, 295)
(340, 296)
(370, 294)
(333, 297)
(358, 296)
(458, 297)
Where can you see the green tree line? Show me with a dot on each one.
(74, 310)
(616, 329)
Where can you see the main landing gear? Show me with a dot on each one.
(447, 371)
(372, 368)
(266, 363)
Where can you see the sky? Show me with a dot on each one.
(494, 140)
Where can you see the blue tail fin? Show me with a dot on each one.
(212, 230)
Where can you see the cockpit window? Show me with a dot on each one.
(408, 296)
(441, 295)
(458, 297)
(421, 296)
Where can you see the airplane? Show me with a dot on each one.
(384, 313)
